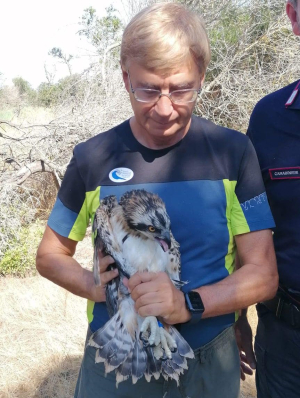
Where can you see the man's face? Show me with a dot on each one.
(161, 124)
(293, 13)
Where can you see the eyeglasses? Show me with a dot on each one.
(149, 95)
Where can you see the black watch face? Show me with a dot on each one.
(196, 302)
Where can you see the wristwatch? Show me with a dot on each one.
(194, 305)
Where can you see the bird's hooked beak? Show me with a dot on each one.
(164, 240)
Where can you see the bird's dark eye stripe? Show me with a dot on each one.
(160, 218)
(140, 227)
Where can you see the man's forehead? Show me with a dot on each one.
(185, 74)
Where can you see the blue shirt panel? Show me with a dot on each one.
(61, 212)
(256, 210)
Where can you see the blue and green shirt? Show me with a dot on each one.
(210, 182)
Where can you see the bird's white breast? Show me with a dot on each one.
(145, 255)
(140, 254)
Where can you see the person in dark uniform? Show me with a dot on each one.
(274, 130)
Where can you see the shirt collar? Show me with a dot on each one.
(293, 102)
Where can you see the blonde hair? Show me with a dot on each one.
(164, 37)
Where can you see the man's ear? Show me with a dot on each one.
(125, 78)
(294, 18)
(202, 80)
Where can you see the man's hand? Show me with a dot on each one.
(105, 276)
(243, 334)
(155, 295)
(55, 262)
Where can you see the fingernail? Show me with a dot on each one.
(116, 271)
(253, 365)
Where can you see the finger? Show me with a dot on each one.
(243, 357)
(147, 299)
(108, 276)
(105, 262)
(246, 369)
(125, 283)
(140, 277)
(243, 377)
(150, 310)
(250, 356)
(143, 289)
(100, 253)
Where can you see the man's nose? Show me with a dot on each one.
(164, 105)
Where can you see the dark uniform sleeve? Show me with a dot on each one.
(250, 209)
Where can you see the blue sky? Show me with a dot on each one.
(29, 29)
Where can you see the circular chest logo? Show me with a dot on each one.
(121, 174)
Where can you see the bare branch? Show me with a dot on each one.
(108, 49)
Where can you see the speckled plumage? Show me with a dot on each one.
(136, 233)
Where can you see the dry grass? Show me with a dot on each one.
(42, 329)
(42, 336)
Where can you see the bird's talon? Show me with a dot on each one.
(144, 340)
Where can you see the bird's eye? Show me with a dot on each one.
(151, 228)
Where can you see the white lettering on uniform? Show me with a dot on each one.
(285, 173)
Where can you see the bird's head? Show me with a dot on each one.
(145, 213)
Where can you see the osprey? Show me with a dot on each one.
(136, 233)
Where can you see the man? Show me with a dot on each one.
(274, 130)
(209, 178)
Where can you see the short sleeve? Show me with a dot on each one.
(250, 208)
(69, 217)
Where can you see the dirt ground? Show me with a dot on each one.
(42, 333)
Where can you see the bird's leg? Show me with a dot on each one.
(152, 333)
(149, 332)
(167, 342)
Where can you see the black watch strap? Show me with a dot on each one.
(194, 305)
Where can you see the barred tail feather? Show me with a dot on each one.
(179, 360)
(169, 372)
(119, 351)
(106, 333)
(139, 361)
(174, 367)
(119, 357)
(124, 371)
(114, 343)
(109, 349)
(183, 347)
(153, 365)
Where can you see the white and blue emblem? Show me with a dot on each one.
(121, 174)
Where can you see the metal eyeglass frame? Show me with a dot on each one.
(160, 94)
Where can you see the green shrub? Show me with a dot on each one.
(16, 261)
(19, 258)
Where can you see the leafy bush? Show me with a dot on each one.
(19, 258)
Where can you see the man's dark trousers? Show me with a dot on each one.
(277, 349)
